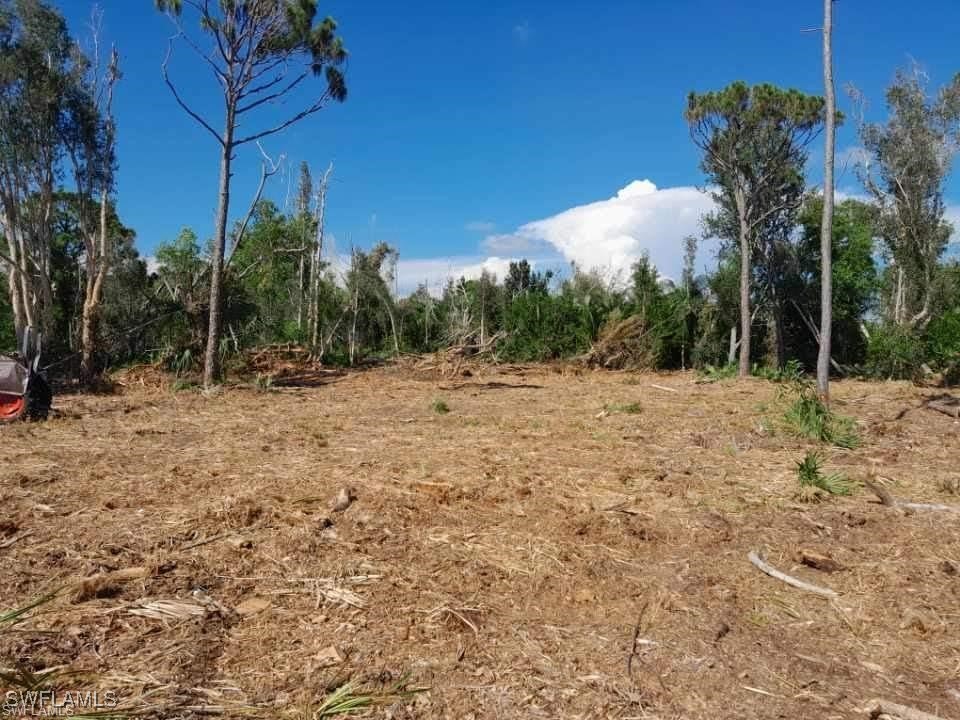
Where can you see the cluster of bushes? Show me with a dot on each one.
(525, 316)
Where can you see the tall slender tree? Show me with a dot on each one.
(753, 141)
(826, 225)
(316, 258)
(260, 52)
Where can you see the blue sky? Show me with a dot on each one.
(495, 129)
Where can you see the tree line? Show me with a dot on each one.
(72, 269)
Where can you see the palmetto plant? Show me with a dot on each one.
(810, 474)
(808, 416)
(349, 698)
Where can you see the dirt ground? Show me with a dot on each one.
(525, 555)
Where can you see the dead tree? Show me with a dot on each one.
(93, 157)
(316, 259)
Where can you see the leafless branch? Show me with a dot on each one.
(761, 565)
(316, 107)
(186, 108)
(273, 96)
(217, 71)
(268, 169)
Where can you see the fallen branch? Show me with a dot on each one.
(890, 501)
(879, 707)
(754, 558)
(14, 539)
(636, 638)
(664, 388)
(946, 405)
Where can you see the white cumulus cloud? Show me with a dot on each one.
(610, 235)
(436, 272)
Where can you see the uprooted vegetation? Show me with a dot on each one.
(345, 546)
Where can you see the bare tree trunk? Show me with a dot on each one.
(899, 296)
(745, 317)
(393, 326)
(27, 293)
(353, 326)
(315, 260)
(826, 224)
(732, 352)
(300, 290)
(922, 318)
(14, 286)
(779, 342)
(97, 266)
(313, 322)
(211, 363)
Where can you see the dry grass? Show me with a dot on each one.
(515, 557)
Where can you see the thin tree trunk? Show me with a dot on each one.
(745, 317)
(211, 364)
(27, 294)
(315, 261)
(300, 290)
(898, 297)
(826, 224)
(13, 281)
(313, 324)
(353, 327)
(393, 327)
(97, 266)
(780, 343)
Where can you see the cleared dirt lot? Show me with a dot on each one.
(524, 555)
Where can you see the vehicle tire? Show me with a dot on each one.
(12, 407)
(39, 398)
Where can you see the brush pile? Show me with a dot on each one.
(625, 344)
(147, 376)
(456, 360)
(279, 359)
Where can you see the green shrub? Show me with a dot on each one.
(808, 417)
(711, 374)
(893, 353)
(541, 327)
(943, 344)
(810, 474)
(792, 372)
(440, 407)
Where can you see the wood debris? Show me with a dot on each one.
(754, 558)
(168, 610)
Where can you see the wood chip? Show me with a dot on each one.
(169, 610)
(824, 563)
(329, 656)
(343, 500)
(340, 595)
(252, 606)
